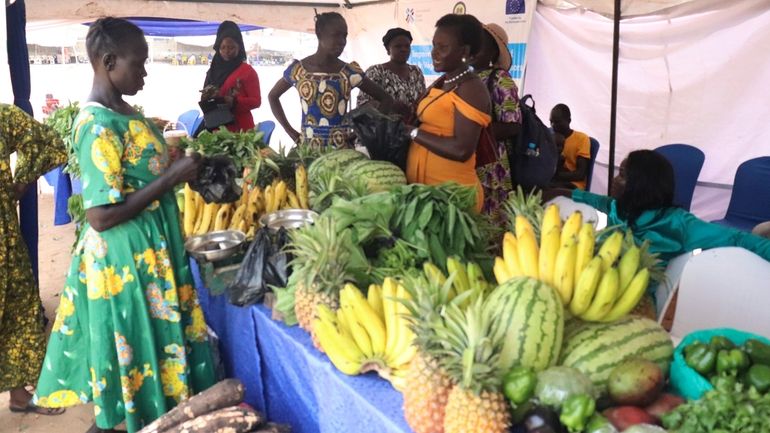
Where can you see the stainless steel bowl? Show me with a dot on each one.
(288, 218)
(216, 246)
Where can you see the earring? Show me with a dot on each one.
(464, 59)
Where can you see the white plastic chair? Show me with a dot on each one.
(723, 287)
(567, 206)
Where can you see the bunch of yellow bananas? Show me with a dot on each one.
(594, 287)
(368, 333)
(200, 217)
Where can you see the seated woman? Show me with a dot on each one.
(404, 82)
(324, 83)
(453, 112)
(232, 79)
(642, 199)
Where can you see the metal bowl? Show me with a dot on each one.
(288, 218)
(216, 246)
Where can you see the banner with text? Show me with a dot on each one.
(420, 16)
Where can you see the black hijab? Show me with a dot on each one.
(221, 69)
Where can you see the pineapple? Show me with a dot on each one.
(530, 205)
(323, 259)
(426, 396)
(471, 359)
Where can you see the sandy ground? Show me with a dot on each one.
(54, 251)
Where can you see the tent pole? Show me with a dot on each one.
(614, 97)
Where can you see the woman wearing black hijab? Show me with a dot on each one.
(231, 78)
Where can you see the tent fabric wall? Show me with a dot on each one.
(686, 76)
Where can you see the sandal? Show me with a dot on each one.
(32, 408)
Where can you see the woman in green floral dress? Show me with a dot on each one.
(129, 333)
(22, 337)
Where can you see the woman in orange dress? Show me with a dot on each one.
(454, 111)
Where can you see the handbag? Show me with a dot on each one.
(486, 149)
(215, 113)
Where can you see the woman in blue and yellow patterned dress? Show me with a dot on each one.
(129, 333)
(324, 83)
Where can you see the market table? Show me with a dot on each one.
(290, 381)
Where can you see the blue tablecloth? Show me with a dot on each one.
(290, 381)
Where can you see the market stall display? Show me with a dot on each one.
(481, 328)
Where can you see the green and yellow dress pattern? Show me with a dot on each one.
(129, 333)
(22, 337)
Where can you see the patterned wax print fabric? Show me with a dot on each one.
(129, 333)
(409, 90)
(496, 176)
(324, 98)
(22, 337)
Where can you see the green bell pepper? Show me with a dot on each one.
(719, 342)
(701, 358)
(724, 383)
(758, 351)
(576, 411)
(732, 361)
(598, 424)
(758, 376)
(519, 384)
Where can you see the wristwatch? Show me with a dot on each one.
(413, 133)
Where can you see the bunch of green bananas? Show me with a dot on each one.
(595, 286)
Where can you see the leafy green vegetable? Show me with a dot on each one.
(61, 121)
(241, 147)
(730, 408)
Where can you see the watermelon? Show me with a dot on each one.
(333, 160)
(596, 348)
(531, 318)
(378, 175)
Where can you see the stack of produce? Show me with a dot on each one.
(371, 332)
(367, 333)
(349, 174)
(467, 343)
(722, 361)
(595, 349)
(215, 410)
(242, 147)
(243, 215)
(601, 282)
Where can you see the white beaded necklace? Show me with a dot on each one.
(457, 77)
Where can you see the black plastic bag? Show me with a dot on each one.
(216, 180)
(385, 137)
(277, 265)
(249, 284)
(265, 264)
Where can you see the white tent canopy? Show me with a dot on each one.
(690, 71)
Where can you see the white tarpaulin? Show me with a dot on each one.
(695, 74)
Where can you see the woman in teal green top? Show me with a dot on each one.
(643, 195)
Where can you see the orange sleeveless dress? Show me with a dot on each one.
(424, 166)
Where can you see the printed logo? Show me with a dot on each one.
(459, 8)
(409, 15)
(514, 7)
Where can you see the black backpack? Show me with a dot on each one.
(533, 163)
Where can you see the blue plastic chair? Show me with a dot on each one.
(191, 120)
(594, 152)
(750, 199)
(687, 162)
(267, 127)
